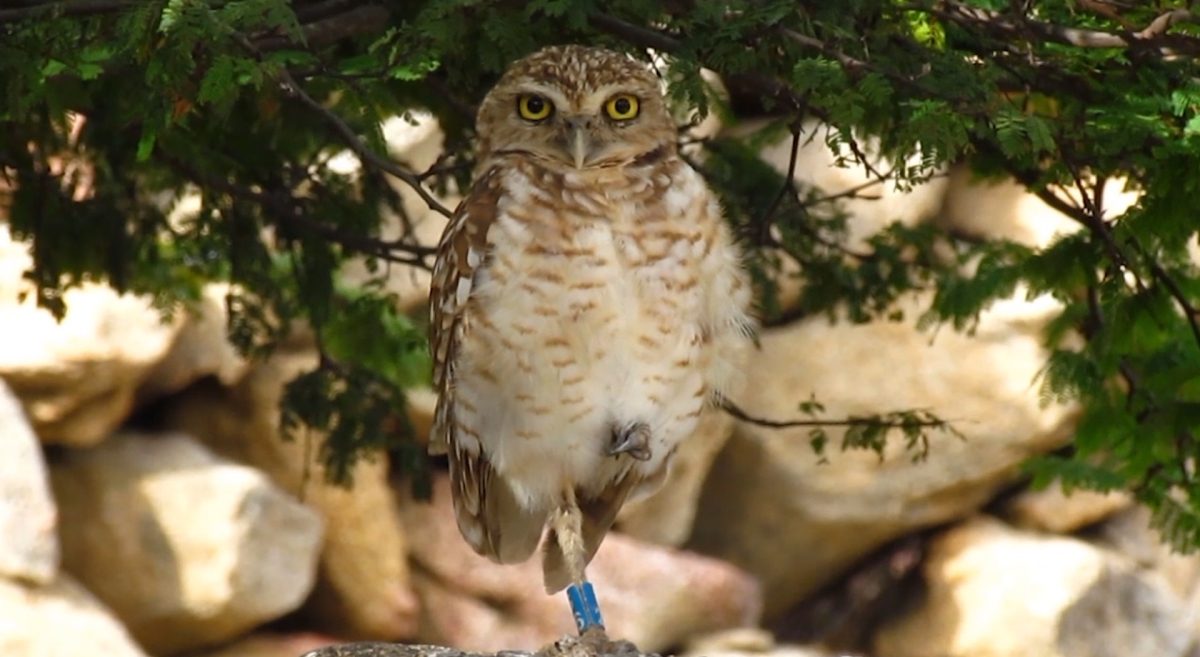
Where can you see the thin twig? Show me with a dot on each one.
(736, 411)
(763, 234)
(1190, 311)
(347, 134)
(287, 210)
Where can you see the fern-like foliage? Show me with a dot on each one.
(113, 111)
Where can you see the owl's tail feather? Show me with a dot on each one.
(512, 530)
(597, 517)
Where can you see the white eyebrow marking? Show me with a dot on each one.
(550, 93)
(603, 93)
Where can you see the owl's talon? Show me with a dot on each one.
(633, 440)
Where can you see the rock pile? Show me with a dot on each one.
(209, 535)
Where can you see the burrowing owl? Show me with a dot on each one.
(587, 303)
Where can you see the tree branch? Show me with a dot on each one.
(64, 8)
(348, 136)
(1160, 25)
(288, 211)
(326, 29)
(876, 421)
(1153, 38)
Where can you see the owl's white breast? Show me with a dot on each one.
(588, 315)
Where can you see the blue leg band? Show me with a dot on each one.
(584, 607)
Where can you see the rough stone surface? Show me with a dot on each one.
(28, 542)
(200, 349)
(1052, 510)
(59, 619)
(665, 517)
(363, 589)
(567, 646)
(746, 642)
(997, 592)
(76, 378)
(653, 596)
(187, 549)
(273, 645)
(773, 508)
(1130, 534)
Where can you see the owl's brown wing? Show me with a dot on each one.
(460, 255)
(489, 516)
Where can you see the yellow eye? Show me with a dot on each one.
(532, 107)
(622, 107)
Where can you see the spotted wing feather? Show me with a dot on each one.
(489, 516)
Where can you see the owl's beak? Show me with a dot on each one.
(579, 143)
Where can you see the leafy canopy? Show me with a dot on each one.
(115, 109)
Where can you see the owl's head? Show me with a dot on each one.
(576, 107)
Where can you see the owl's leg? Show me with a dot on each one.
(568, 529)
(632, 439)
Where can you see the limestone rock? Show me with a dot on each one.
(363, 589)
(76, 378)
(1052, 510)
(665, 517)
(186, 548)
(746, 642)
(655, 597)
(996, 592)
(59, 619)
(1130, 534)
(201, 348)
(567, 646)
(773, 508)
(29, 544)
(273, 645)
(1005, 209)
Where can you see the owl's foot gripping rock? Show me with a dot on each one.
(592, 643)
(632, 439)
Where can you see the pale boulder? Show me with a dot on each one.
(273, 645)
(997, 592)
(187, 549)
(1005, 209)
(363, 589)
(771, 506)
(1130, 534)
(747, 642)
(1054, 510)
(77, 378)
(59, 619)
(201, 348)
(653, 596)
(28, 542)
(665, 517)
